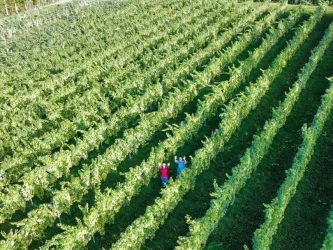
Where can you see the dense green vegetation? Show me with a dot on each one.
(94, 96)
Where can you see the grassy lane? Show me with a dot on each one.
(246, 213)
(304, 225)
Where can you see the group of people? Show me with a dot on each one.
(181, 163)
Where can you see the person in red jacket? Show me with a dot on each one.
(164, 173)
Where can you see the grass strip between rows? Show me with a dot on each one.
(328, 241)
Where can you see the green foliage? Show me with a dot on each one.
(328, 242)
(22, 159)
(87, 85)
(149, 124)
(110, 202)
(145, 226)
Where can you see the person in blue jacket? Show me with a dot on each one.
(181, 163)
